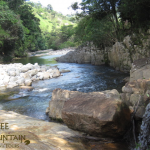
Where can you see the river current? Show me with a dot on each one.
(83, 77)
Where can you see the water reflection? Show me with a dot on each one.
(43, 60)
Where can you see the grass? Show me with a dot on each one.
(47, 21)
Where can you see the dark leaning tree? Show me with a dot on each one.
(106, 19)
(14, 4)
(49, 8)
(137, 12)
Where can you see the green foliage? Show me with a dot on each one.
(14, 4)
(67, 44)
(55, 28)
(27, 27)
(104, 22)
(138, 145)
(100, 32)
(19, 30)
(61, 38)
(31, 23)
(98, 22)
(11, 30)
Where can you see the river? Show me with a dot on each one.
(83, 77)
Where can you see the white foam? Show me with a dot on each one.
(41, 90)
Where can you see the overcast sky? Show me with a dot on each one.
(59, 5)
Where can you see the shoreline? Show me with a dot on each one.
(44, 135)
(17, 74)
(50, 52)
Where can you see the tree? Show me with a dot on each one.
(49, 8)
(12, 31)
(31, 23)
(14, 4)
(98, 22)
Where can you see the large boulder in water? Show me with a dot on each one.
(59, 97)
(95, 113)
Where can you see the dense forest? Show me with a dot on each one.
(28, 26)
(103, 22)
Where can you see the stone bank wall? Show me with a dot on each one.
(120, 56)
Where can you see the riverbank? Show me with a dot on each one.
(51, 52)
(40, 135)
(135, 94)
(17, 74)
(120, 56)
(83, 78)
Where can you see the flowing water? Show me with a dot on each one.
(83, 77)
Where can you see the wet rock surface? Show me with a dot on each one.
(144, 137)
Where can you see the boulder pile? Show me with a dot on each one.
(17, 74)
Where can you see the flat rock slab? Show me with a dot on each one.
(39, 135)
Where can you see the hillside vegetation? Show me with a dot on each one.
(57, 29)
(27, 26)
(49, 18)
(104, 22)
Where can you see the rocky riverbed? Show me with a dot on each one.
(96, 113)
(17, 74)
(108, 113)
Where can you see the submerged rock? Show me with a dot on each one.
(64, 71)
(95, 113)
(28, 88)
